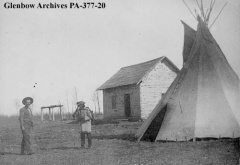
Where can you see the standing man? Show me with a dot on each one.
(84, 117)
(26, 124)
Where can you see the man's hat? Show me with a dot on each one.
(27, 98)
(80, 102)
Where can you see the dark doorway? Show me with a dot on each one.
(127, 105)
(153, 129)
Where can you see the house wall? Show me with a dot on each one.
(119, 112)
(154, 85)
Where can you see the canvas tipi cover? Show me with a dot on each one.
(202, 102)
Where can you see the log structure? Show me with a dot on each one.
(51, 112)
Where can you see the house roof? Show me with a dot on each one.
(132, 74)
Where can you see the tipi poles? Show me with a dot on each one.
(189, 9)
(205, 15)
(218, 15)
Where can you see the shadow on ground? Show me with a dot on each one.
(9, 153)
(60, 148)
(129, 137)
(97, 122)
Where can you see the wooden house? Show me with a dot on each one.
(135, 90)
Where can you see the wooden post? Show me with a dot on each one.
(42, 114)
(50, 114)
(53, 118)
(194, 139)
(61, 112)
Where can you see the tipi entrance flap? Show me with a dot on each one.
(189, 37)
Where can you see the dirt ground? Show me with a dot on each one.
(58, 143)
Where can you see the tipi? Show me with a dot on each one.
(203, 100)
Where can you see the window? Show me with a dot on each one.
(114, 101)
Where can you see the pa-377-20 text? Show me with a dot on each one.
(72, 5)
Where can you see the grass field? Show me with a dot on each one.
(57, 143)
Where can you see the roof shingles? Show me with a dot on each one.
(130, 74)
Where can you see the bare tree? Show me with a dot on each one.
(66, 95)
(72, 106)
(96, 101)
(76, 94)
(75, 97)
(67, 105)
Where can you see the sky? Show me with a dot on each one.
(52, 54)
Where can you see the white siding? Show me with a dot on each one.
(152, 87)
